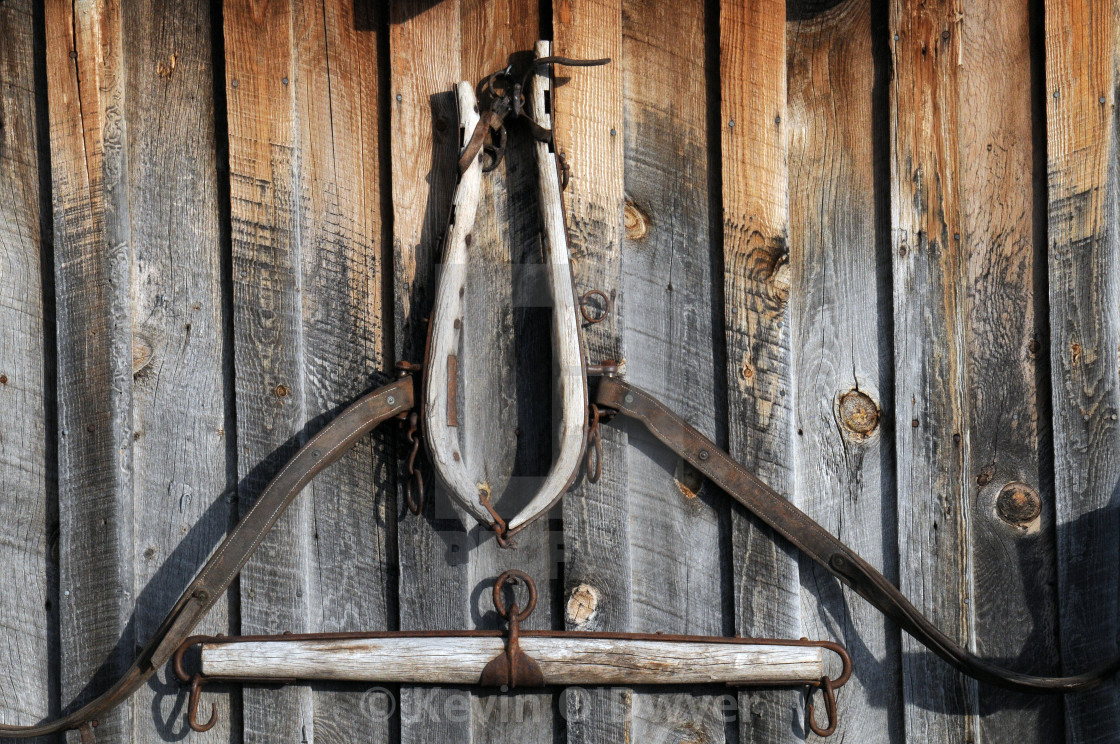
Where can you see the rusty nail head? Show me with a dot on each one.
(281, 391)
(1018, 504)
(89, 428)
(3, 379)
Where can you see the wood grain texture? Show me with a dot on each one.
(446, 560)
(27, 511)
(306, 231)
(756, 286)
(182, 503)
(930, 319)
(1084, 282)
(562, 661)
(434, 593)
(506, 348)
(675, 535)
(93, 279)
(843, 455)
(588, 122)
(1002, 237)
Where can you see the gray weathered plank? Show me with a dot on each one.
(434, 583)
(843, 450)
(93, 258)
(930, 327)
(678, 572)
(588, 121)
(305, 193)
(1084, 282)
(28, 614)
(140, 332)
(181, 453)
(1002, 236)
(756, 279)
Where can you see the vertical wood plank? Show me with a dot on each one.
(843, 450)
(307, 290)
(930, 357)
(510, 444)
(678, 573)
(756, 282)
(1002, 237)
(1084, 282)
(268, 336)
(182, 503)
(424, 43)
(140, 332)
(93, 280)
(28, 510)
(447, 562)
(589, 122)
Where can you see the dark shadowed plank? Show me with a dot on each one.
(27, 510)
(756, 280)
(931, 405)
(588, 122)
(1013, 570)
(93, 275)
(506, 357)
(675, 536)
(843, 449)
(1084, 280)
(307, 291)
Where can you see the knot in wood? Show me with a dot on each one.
(1018, 504)
(634, 222)
(582, 604)
(859, 413)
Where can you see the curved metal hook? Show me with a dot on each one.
(829, 706)
(192, 707)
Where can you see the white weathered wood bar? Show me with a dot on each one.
(459, 660)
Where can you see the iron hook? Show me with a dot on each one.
(192, 707)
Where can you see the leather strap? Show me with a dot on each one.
(820, 545)
(323, 449)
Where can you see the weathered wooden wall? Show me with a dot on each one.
(871, 247)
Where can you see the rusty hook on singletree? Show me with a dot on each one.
(828, 687)
(192, 707)
(196, 681)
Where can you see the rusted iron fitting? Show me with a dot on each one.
(513, 668)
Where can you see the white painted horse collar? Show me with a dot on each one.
(444, 396)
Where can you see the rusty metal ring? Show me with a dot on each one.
(414, 486)
(513, 576)
(495, 149)
(583, 302)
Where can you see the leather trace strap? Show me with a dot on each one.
(323, 449)
(820, 545)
